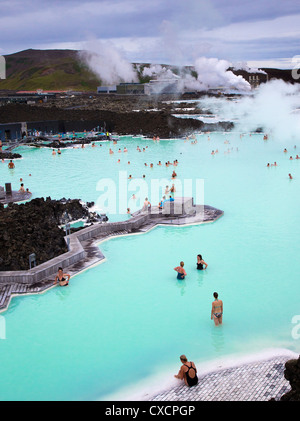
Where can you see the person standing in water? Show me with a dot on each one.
(200, 263)
(217, 310)
(181, 273)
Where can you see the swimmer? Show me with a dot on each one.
(268, 164)
(53, 152)
(27, 191)
(159, 163)
(200, 263)
(118, 161)
(187, 372)
(290, 176)
(291, 157)
(125, 149)
(147, 204)
(217, 310)
(181, 273)
(130, 177)
(172, 189)
(61, 278)
(21, 189)
(297, 157)
(285, 150)
(59, 151)
(11, 165)
(128, 211)
(111, 151)
(174, 175)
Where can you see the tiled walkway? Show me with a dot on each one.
(258, 381)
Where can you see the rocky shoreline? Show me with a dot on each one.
(33, 227)
(126, 116)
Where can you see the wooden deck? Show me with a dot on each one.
(93, 254)
(6, 291)
(16, 196)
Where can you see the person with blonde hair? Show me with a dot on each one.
(181, 273)
(187, 372)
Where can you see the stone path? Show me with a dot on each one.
(258, 381)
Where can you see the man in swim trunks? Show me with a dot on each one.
(187, 372)
(11, 165)
(61, 278)
(217, 310)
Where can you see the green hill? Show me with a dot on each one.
(48, 70)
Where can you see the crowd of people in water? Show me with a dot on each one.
(188, 370)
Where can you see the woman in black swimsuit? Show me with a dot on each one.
(200, 263)
(188, 372)
(61, 278)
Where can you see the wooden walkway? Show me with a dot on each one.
(6, 291)
(93, 254)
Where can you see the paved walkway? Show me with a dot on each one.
(257, 381)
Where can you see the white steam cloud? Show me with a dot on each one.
(244, 66)
(108, 63)
(274, 107)
(211, 74)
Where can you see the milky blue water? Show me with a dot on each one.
(121, 321)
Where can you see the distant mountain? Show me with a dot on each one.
(47, 69)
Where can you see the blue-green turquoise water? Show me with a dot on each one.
(129, 317)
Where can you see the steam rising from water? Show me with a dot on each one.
(273, 107)
(108, 63)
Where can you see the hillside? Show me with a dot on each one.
(63, 70)
(47, 69)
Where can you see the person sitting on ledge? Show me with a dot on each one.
(61, 278)
(187, 372)
(181, 273)
(21, 189)
(147, 204)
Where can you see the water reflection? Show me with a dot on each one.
(217, 338)
(200, 277)
(181, 285)
(62, 292)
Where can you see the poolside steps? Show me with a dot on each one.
(6, 291)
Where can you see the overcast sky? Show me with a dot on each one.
(263, 33)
